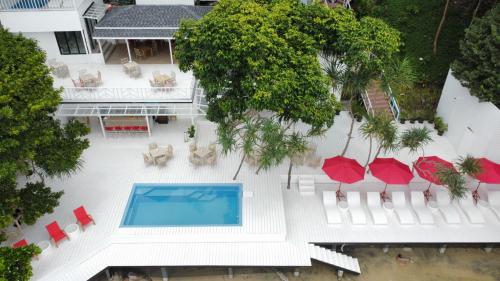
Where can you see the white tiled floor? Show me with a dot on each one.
(277, 225)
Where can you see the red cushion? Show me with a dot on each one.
(20, 243)
(118, 128)
(55, 231)
(109, 128)
(136, 128)
(144, 128)
(82, 216)
(127, 128)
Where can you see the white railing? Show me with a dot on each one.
(109, 95)
(393, 104)
(367, 103)
(37, 5)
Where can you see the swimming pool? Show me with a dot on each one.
(152, 205)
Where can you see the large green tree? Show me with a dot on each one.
(478, 66)
(15, 264)
(33, 144)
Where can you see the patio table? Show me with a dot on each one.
(60, 69)
(158, 152)
(162, 79)
(130, 66)
(88, 80)
(203, 152)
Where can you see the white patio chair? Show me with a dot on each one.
(355, 209)
(471, 211)
(494, 202)
(306, 185)
(162, 160)
(448, 211)
(375, 207)
(424, 215)
(330, 204)
(401, 209)
(152, 146)
(148, 160)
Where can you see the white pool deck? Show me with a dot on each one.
(278, 224)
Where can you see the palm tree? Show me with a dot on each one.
(387, 135)
(470, 166)
(233, 136)
(272, 148)
(415, 139)
(296, 145)
(454, 181)
(369, 130)
(399, 75)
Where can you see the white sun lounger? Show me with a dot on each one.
(471, 211)
(494, 202)
(354, 202)
(331, 209)
(374, 206)
(448, 211)
(424, 215)
(401, 209)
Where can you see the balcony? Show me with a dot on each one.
(38, 5)
(118, 87)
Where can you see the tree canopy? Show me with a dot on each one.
(479, 61)
(15, 264)
(33, 144)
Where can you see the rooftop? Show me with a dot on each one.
(144, 21)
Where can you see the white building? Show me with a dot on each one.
(473, 126)
(92, 41)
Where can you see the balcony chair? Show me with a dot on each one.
(139, 53)
(355, 209)
(471, 211)
(82, 217)
(401, 209)
(424, 215)
(448, 211)
(20, 243)
(148, 159)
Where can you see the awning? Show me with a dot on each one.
(131, 109)
(95, 11)
(130, 33)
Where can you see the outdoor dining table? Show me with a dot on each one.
(158, 152)
(130, 66)
(88, 79)
(162, 79)
(60, 69)
(203, 152)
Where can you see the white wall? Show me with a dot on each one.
(47, 41)
(164, 2)
(473, 126)
(40, 21)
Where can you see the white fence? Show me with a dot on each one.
(473, 126)
(102, 94)
(21, 5)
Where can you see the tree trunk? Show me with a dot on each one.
(475, 10)
(438, 31)
(239, 167)
(349, 135)
(378, 152)
(289, 174)
(258, 170)
(369, 154)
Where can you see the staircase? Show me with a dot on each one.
(377, 100)
(341, 261)
(306, 185)
(95, 11)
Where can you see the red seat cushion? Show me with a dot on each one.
(144, 128)
(127, 128)
(55, 231)
(118, 128)
(82, 216)
(136, 128)
(20, 243)
(109, 128)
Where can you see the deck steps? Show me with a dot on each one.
(339, 260)
(378, 98)
(306, 185)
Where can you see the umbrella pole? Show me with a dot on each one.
(475, 193)
(427, 192)
(383, 194)
(339, 193)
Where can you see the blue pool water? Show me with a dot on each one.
(183, 205)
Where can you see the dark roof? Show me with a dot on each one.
(146, 21)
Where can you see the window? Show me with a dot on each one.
(70, 43)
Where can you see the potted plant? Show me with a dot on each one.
(190, 133)
(440, 125)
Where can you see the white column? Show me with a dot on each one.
(164, 274)
(100, 49)
(128, 50)
(170, 49)
(147, 124)
(102, 126)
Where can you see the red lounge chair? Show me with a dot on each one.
(82, 217)
(20, 243)
(56, 233)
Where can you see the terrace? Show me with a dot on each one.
(278, 225)
(117, 86)
(38, 5)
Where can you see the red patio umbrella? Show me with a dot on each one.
(427, 167)
(390, 171)
(343, 170)
(490, 173)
